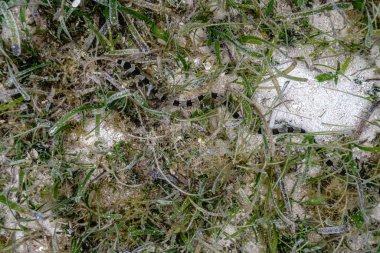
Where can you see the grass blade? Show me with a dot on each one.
(156, 31)
(320, 9)
(12, 79)
(118, 95)
(112, 8)
(11, 22)
(12, 205)
(237, 44)
(22, 74)
(136, 36)
(83, 185)
(368, 37)
(11, 104)
(123, 52)
(101, 38)
(270, 7)
(70, 115)
(62, 20)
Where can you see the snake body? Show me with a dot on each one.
(133, 71)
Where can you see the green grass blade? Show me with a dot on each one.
(257, 40)
(101, 38)
(70, 115)
(270, 7)
(217, 51)
(115, 216)
(11, 104)
(12, 205)
(62, 21)
(112, 7)
(22, 74)
(136, 35)
(368, 37)
(345, 65)
(320, 200)
(321, 8)
(237, 44)
(117, 96)
(325, 77)
(83, 185)
(365, 148)
(12, 79)
(153, 27)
